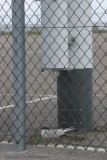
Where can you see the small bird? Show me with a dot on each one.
(54, 133)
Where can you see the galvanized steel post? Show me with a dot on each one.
(19, 86)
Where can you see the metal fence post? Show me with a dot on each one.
(19, 86)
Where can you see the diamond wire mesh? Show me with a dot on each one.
(42, 106)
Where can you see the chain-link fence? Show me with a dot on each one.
(53, 73)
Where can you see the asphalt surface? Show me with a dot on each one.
(44, 84)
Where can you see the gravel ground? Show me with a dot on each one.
(48, 153)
